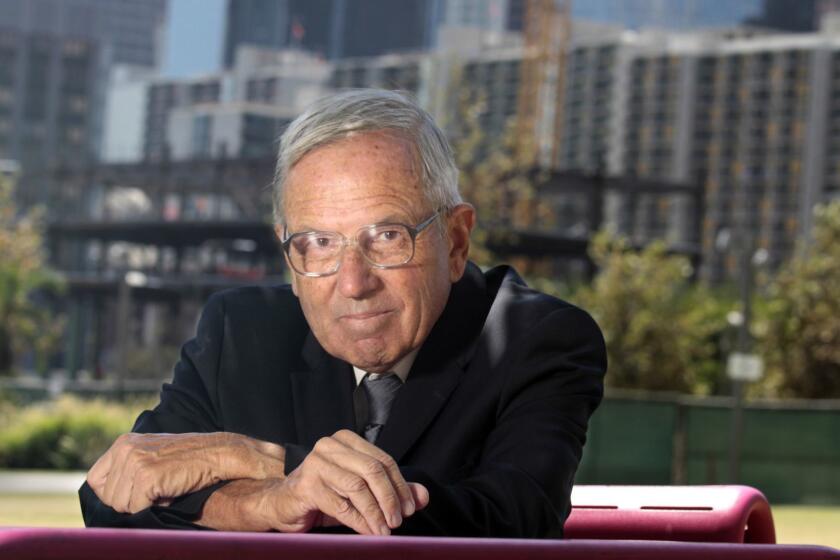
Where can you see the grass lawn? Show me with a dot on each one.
(806, 524)
(794, 524)
(40, 510)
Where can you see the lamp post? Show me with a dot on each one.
(131, 279)
(742, 365)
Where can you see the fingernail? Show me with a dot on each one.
(396, 520)
(408, 507)
(384, 530)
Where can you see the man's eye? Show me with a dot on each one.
(317, 243)
(389, 235)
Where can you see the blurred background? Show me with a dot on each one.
(671, 166)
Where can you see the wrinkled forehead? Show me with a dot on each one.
(363, 168)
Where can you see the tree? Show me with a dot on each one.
(800, 330)
(23, 273)
(661, 330)
(495, 176)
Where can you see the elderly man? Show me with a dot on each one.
(392, 388)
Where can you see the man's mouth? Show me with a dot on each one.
(363, 316)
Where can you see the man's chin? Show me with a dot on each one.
(372, 355)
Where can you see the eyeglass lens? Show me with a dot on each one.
(320, 252)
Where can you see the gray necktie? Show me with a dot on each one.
(380, 392)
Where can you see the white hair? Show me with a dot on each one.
(338, 116)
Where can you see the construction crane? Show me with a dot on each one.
(547, 34)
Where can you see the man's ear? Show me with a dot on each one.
(279, 231)
(460, 222)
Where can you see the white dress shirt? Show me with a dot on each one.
(401, 368)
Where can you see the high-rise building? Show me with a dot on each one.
(260, 23)
(55, 59)
(491, 15)
(800, 16)
(235, 113)
(748, 117)
(333, 29)
(127, 32)
(48, 98)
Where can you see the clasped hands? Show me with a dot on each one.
(344, 480)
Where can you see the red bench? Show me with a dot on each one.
(723, 514)
(134, 544)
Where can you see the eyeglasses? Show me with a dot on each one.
(318, 253)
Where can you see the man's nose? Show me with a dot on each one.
(356, 279)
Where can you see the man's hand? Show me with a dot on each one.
(140, 470)
(344, 480)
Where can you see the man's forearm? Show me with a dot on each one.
(235, 506)
(144, 469)
(344, 480)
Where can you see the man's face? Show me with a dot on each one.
(366, 316)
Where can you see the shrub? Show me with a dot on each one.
(68, 433)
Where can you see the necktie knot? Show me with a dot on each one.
(380, 392)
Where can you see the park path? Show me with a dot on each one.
(41, 482)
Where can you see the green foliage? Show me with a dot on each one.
(494, 177)
(68, 433)
(23, 271)
(800, 331)
(661, 330)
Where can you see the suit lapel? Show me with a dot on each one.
(323, 394)
(438, 367)
(418, 402)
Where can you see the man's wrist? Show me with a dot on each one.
(246, 457)
(238, 506)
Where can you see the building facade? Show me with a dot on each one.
(235, 113)
(49, 91)
(332, 29)
(748, 116)
(128, 32)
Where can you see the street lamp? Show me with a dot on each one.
(742, 365)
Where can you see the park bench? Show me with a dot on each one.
(607, 522)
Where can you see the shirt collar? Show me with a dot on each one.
(400, 369)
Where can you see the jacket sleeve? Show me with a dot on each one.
(522, 483)
(188, 404)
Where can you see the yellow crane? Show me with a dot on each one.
(546, 33)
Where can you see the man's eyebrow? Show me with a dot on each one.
(394, 219)
(303, 229)
(389, 219)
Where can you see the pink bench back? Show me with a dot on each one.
(135, 544)
(723, 514)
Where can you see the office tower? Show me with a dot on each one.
(751, 119)
(55, 57)
(800, 16)
(262, 23)
(235, 113)
(127, 32)
(48, 97)
(333, 29)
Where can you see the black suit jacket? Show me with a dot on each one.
(492, 418)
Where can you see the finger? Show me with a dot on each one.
(342, 510)
(420, 493)
(371, 477)
(354, 488)
(121, 500)
(142, 494)
(116, 475)
(397, 482)
(98, 473)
